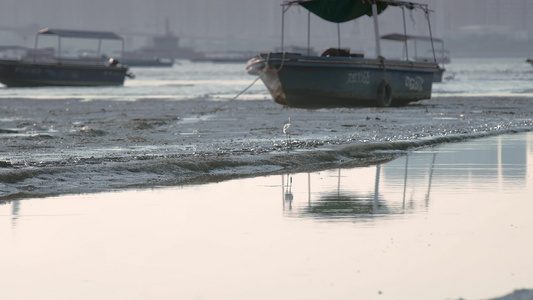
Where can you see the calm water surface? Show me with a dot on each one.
(443, 223)
(187, 80)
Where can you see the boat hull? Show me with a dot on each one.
(312, 81)
(28, 74)
(437, 76)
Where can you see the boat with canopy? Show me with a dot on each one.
(48, 66)
(338, 77)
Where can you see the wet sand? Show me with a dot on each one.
(60, 146)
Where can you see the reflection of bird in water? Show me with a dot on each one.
(288, 191)
(287, 133)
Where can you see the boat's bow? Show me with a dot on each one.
(255, 65)
(267, 67)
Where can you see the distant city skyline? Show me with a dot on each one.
(256, 25)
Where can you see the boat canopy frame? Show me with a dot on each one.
(405, 38)
(81, 34)
(377, 6)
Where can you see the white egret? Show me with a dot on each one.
(287, 133)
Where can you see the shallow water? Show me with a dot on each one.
(486, 77)
(183, 81)
(189, 80)
(439, 223)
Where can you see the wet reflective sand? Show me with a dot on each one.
(439, 223)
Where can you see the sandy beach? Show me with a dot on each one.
(62, 146)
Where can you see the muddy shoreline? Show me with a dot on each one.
(63, 146)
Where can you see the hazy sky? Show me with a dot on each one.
(252, 24)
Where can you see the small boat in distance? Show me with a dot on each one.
(338, 77)
(224, 56)
(161, 52)
(48, 67)
(139, 59)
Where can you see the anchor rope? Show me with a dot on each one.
(268, 60)
(259, 76)
(236, 96)
(248, 87)
(282, 62)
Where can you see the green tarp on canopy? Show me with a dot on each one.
(339, 11)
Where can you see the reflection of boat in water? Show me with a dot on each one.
(442, 59)
(40, 67)
(337, 77)
(368, 200)
(340, 204)
(15, 210)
